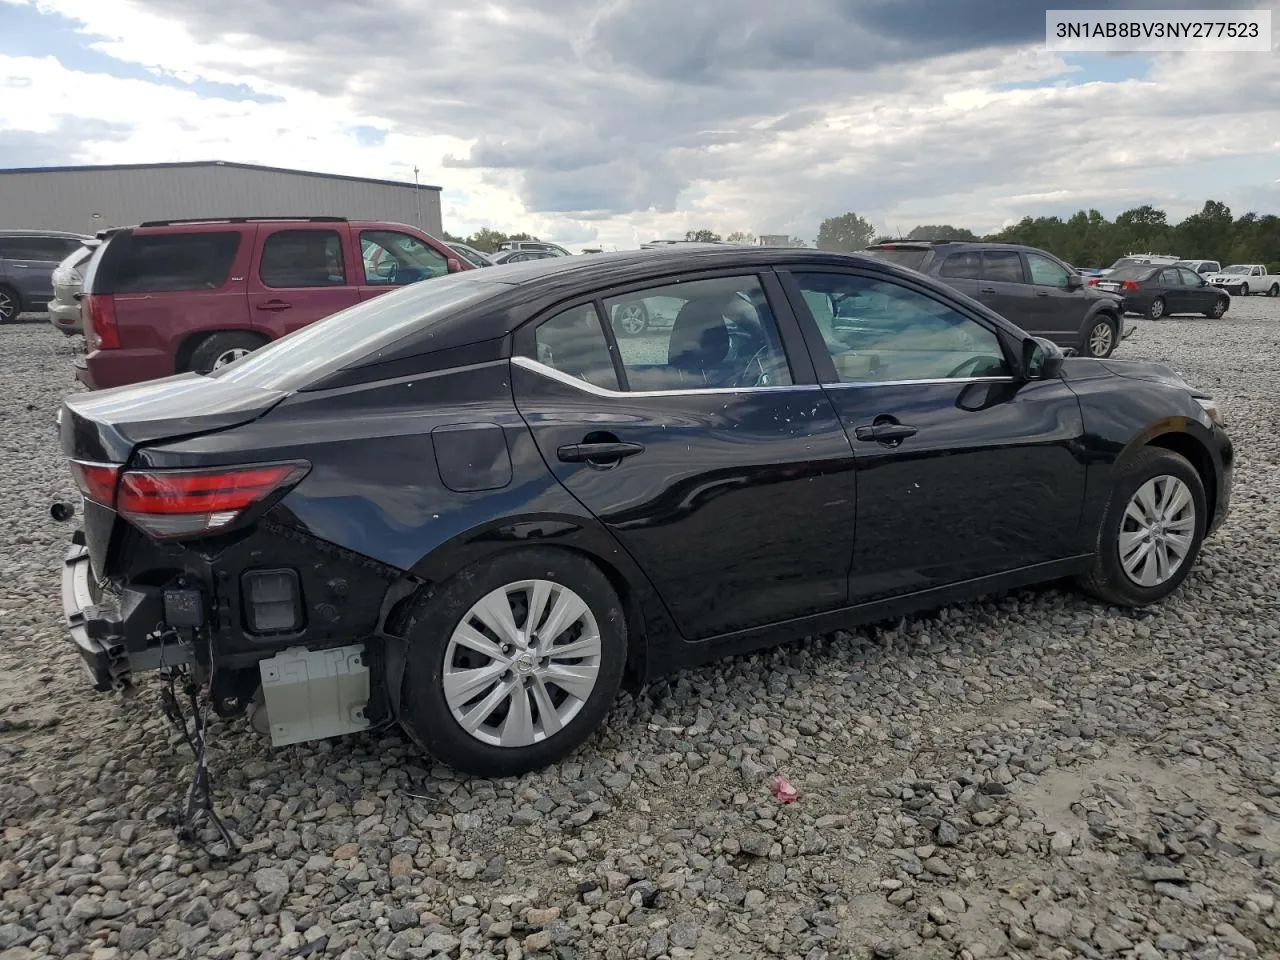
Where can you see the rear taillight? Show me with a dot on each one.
(97, 481)
(101, 329)
(1093, 281)
(1129, 285)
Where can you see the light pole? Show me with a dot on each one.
(417, 195)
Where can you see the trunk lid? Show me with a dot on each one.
(106, 426)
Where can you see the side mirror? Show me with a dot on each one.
(1074, 281)
(1041, 359)
(452, 265)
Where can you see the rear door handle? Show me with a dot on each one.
(1042, 293)
(890, 433)
(598, 452)
(274, 305)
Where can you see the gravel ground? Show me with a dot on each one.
(1032, 776)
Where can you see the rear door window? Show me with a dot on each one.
(157, 263)
(965, 266)
(1002, 265)
(302, 258)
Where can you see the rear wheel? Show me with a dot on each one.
(10, 305)
(1151, 530)
(631, 319)
(1101, 342)
(1156, 310)
(1219, 308)
(220, 349)
(513, 662)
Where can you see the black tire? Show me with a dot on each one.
(631, 319)
(1244, 290)
(1274, 291)
(1103, 337)
(219, 345)
(1107, 579)
(1157, 309)
(425, 712)
(10, 304)
(1219, 308)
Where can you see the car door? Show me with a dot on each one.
(31, 262)
(1199, 295)
(1176, 293)
(300, 275)
(391, 258)
(1057, 306)
(708, 449)
(964, 470)
(1003, 287)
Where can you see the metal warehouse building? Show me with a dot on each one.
(86, 199)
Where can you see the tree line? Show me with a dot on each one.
(1088, 239)
(1085, 239)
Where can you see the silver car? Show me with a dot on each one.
(64, 308)
(27, 262)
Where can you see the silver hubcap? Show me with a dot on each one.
(631, 318)
(1157, 530)
(1157, 308)
(522, 663)
(1219, 308)
(1100, 340)
(228, 356)
(8, 309)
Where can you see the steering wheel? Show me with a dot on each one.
(760, 378)
(962, 370)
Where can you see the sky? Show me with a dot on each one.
(614, 122)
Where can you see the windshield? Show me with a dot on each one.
(327, 345)
(910, 257)
(1237, 268)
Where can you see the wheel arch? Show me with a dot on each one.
(1186, 444)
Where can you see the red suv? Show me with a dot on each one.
(172, 296)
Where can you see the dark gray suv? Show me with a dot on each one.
(1031, 288)
(27, 262)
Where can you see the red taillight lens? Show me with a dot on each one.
(189, 503)
(97, 481)
(1129, 285)
(1093, 281)
(100, 322)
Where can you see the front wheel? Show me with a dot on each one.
(1244, 290)
(631, 319)
(1101, 342)
(1150, 532)
(1219, 308)
(513, 662)
(1274, 291)
(1156, 310)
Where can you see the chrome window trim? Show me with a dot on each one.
(903, 383)
(534, 366)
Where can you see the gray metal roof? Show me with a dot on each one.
(213, 163)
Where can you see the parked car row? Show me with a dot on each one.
(1157, 291)
(27, 261)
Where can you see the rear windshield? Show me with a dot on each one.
(338, 341)
(911, 257)
(1135, 271)
(165, 262)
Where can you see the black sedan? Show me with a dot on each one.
(1156, 291)
(470, 508)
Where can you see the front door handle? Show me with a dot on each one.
(598, 452)
(986, 289)
(274, 305)
(891, 434)
(1042, 293)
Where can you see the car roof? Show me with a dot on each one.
(953, 245)
(59, 234)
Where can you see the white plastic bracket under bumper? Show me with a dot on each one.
(313, 694)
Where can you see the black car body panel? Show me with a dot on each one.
(752, 514)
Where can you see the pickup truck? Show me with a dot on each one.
(1242, 279)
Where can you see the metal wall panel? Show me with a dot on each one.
(89, 199)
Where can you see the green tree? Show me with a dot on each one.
(846, 232)
(940, 231)
(702, 236)
(1208, 233)
(741, 236)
